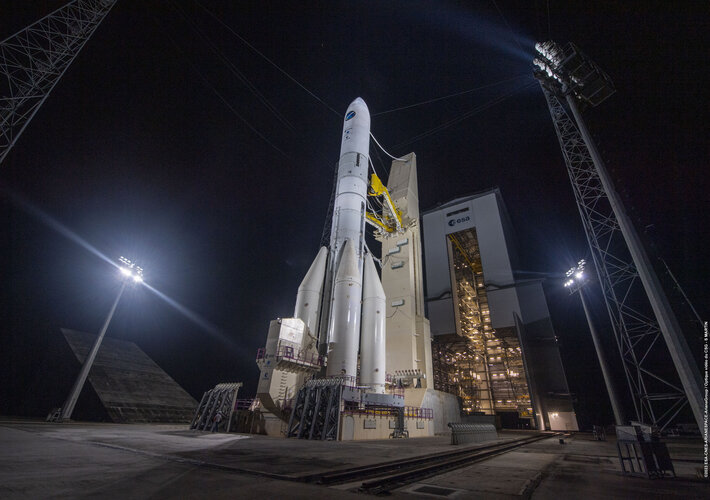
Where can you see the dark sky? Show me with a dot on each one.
(154, 147)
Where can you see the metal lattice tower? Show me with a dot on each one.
(33, 60)
(638, 309)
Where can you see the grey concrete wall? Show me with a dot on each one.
(129, 384)
(446, 409)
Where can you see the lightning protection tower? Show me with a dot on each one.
(34, 59)
(639, 310)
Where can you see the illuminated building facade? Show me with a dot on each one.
(493, 344)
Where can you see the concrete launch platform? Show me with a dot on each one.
(84, 460)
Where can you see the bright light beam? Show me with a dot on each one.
(54, 224)
(195, 318)
(60, 228)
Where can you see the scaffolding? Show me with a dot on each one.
(481, 365)
(33, 60)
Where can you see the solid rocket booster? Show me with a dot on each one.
(345, 316)
(372, 338)
(347, 240)
(309, 293)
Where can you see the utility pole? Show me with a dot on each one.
(576, 282)
(70, 403)
(130, 273)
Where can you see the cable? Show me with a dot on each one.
(379, 159)
(227, 27)
(218, 94)
(379, 261)
(464, 116)
(235, 71)
(450, 95)
(383, 149)
(373, 167)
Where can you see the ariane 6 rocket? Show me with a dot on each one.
(343, 279)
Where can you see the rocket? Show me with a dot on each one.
(352, 315)
(347, 241)
(340, 305)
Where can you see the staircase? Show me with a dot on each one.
(316, 412)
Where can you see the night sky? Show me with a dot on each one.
(173, 142)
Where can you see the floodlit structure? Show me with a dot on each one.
(347, 366)
(638, 308)
(493, 341)
(125, 384)
(409, 347)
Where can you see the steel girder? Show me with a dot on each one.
(656, 399)
(316, 413)
(34, 59)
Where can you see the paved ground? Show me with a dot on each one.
(39, 460)
(581, 468)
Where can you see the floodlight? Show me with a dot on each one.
(579, 275)
(128, 270)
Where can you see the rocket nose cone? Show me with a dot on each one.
(358, 109)
(359, 105)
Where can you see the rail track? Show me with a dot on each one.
(383, 477)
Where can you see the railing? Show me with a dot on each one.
(418, 413)
(384, 411)
(245, 404)
(397, 392)
(347, 380)
(295, 354)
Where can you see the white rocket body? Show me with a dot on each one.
(347, 241)
(351, 192)
(350, 320)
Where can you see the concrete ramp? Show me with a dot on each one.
(130, 386)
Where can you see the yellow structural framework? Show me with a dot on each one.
(377, 188)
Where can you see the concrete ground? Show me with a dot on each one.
(581, 468)
(84, 460)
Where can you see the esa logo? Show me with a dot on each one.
(453, 222)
